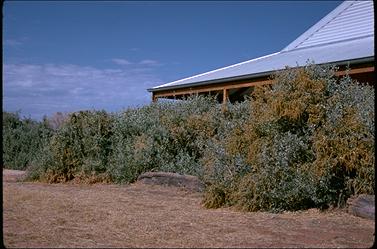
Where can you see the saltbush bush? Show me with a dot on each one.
(308, 142)
(82, 146)
(23, 139)
(165, 136)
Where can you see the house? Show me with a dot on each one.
(344, 37)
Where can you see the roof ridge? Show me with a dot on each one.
(335, 16)
(318, 25)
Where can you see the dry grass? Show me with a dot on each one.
(100, 215)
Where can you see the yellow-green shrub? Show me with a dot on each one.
(308, 141)
(81, 146)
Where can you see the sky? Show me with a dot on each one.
(65, 56)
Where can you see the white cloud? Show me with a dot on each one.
(149, 62)
(146, 62)
(49, 88)
(121, 62)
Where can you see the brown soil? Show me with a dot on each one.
(138, 215)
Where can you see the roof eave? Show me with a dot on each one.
(255, 75)
(215, 81)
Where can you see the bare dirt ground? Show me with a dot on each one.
(72, 215)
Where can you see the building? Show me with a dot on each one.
(344, 37)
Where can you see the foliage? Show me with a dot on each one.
(344, 146)
(81, 146)
(305, 141)
(163, 136)
(23, 138)
(309, 141)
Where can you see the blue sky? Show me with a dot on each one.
(70, 55)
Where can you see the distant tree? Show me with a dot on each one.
(57, 120)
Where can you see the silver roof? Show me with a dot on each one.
(345, 34)
(350, 20)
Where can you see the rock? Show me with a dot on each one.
(172, 179)
(362, 206)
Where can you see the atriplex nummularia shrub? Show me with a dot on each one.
(23, 138)
(309, 141)
(81, 146)
(163, 136)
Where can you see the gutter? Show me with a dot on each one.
(256, 75)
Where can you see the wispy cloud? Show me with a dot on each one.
(15, 42)
(39, 89)
(12, 42)
(121, 62)
(149, 62)
(145, 62)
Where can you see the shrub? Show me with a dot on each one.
(22, 140)
(308, 141)
(344, 145)
(81, 145)
(166, 136)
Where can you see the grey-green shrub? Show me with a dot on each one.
(167, 136)
(23, 138)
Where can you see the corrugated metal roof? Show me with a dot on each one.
(334, 52)
(350, 20)
(345, 34)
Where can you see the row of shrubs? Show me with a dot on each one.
(305, 141)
